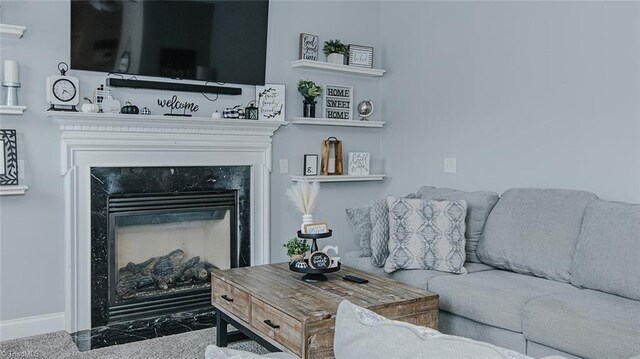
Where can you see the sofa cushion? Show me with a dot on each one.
(493, 297)
(361, 333)
(607, 255)
(415, 277)
(585, 323)
(361, 223)
(379, 217)
(534, 231)
(426, 235)
(479, 205)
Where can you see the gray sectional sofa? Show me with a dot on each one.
(550, 272)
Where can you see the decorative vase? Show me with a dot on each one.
(306, 219)
(309, 107)
(336, 59)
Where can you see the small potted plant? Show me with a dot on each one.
(335, 51)
(296, 248)
(309, 90)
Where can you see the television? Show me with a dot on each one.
(222, 41)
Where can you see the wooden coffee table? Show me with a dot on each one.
(271, 305)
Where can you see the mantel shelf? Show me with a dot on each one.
(121, 123)
(345, 69)
(343, 178)
(17, 190)
(12, 31)
(333, 122)
(12, 110)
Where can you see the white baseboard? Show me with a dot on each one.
(28, 326)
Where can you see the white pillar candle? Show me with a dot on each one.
(11, 71)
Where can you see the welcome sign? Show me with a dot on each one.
(338, 102)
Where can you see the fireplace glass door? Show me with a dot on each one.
(161, 254)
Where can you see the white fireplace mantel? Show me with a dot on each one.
(113, 140)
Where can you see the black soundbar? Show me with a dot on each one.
(173, 86)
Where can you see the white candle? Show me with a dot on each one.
(11, 71)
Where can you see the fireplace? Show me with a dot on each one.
(156, 234)
(162, 248)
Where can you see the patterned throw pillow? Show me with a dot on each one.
(379, 217)
(359, 218)
(426, 235)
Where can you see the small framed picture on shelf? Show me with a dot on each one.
(361, 56)
(8, 158)
(309, 47)
(310, 165)
(358, 163)
(271, 102)
(316, 228)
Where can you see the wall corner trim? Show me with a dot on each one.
(28, 326)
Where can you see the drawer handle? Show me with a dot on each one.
(224, 296)
(274, 326)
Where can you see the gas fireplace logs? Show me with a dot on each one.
(162, 272)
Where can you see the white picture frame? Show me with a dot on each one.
(316, 228)
(359, 163)
(271, 102)
(338, 102)
(361, 56)
(309, 47)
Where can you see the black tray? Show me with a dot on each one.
(313, 274)
(315, 235)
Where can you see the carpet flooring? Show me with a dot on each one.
(58, 345)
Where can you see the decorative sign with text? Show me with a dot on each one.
(358, 163)
(319, 260)
(174, 104)
(338, 102)
(309, 47)
(270, 100)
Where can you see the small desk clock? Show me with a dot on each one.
(63, 91)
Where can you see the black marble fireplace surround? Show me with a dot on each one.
(108, 181)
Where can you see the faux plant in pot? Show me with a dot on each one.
(309, 90)
(335, 51)
(296, 249)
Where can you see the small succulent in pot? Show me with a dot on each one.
(296, 248)
(309, 90)
(335, 47)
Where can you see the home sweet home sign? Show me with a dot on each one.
(338, 102)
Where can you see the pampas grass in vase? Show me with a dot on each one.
(303, 195)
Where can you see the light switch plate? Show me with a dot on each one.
(450, 165)
(284, 165)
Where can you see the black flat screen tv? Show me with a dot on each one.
(208, 40)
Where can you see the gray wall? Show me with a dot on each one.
(31, 226)
(539, 94)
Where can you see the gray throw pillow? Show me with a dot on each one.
(379, 217)
(359, 218)
(361, 333)
(479, 205)
(426, 235)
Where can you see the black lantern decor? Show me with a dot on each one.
(251, 111)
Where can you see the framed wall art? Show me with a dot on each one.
(309, 47)
(358, 163)
(9, 158)
(361, 56)
(310, 165)
(338, 102)
(270, 100)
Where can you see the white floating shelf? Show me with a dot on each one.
(18, 190)
(12, 110)
(343, 178)
(14, 31)
(333, 122)
(346, 69)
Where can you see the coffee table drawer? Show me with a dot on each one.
(276, 325)
(231, 298)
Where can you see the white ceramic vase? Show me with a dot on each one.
(336, 59)
(306, 219)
